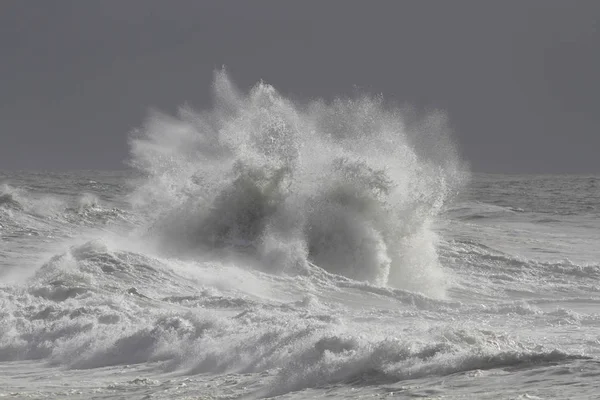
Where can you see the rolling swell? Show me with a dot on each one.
(349, 184)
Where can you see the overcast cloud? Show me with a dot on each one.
(518, 79)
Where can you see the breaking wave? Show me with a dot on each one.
(351, 185)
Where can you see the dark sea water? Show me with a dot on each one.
(265, 249)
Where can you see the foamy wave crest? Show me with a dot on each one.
(351, 185)
(19, 199)
(8, 198)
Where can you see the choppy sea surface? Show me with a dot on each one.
(267, 249)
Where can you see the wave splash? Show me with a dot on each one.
(351, 185)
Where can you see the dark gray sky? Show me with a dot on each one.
(519, 79)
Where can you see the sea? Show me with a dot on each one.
(268, 248)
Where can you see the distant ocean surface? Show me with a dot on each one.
(263, 249)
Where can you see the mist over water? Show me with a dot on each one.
(351, 185)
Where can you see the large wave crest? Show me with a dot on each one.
(350, 185)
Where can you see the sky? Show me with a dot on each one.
(519, 80)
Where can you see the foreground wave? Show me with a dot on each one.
(95, 307)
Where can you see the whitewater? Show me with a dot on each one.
(267, 247)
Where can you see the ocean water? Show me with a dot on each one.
(265, 248)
